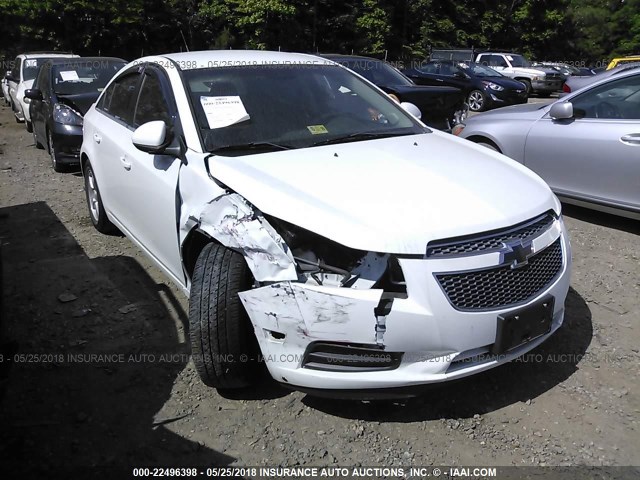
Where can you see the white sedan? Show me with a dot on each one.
(320, 228)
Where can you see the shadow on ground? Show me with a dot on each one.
(525, 378)
(603, 219)
(90, 355)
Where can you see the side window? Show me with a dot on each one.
(17, 66)
(429, 68)
(446, 69)
(46, 80)
(151, 103)
(484, 59)
(497, 61)
(615, 100)
(117, 100)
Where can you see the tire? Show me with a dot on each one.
(527, 85)
(219, 328)
(477, 101)
(38, 145)
(490, 146)
(29, 126)
(94, 202)
(55, 163)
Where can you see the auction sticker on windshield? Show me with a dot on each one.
(224, 111)
(69, 76)
(317, 129)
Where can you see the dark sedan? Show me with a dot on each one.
(483, 87)
(441, 107)
(62, 93)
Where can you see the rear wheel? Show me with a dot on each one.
(94, 201)
(223, 345)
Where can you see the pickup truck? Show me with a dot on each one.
(540, 80)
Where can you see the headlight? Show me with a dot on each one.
(538, 79)
(66, 115)
(493, 86)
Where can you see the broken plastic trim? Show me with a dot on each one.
(234, 223)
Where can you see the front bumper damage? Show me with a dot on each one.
(319, 335)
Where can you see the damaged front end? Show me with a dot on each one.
(316, 304)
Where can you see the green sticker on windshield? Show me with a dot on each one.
(317, 129)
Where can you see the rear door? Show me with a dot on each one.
(596, 155)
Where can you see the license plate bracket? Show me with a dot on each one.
(524, 325)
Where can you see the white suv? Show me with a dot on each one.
(318, 227)
(21, 77)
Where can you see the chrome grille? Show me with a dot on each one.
(501, 287)
(491, 241)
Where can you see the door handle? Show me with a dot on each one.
(631, 139)
(97, 138)
(125, 164)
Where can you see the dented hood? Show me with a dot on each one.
(389, 195)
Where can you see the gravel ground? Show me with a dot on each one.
(70, 292)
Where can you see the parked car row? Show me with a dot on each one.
(318, 225)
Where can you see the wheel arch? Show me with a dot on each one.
(483, 139)
(191, 247)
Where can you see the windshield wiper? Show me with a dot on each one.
(358, 136)
(251, 146)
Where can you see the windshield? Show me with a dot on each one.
(30, 68)
(519, 61)
(83, 76)
(480, 70)
(290, 106)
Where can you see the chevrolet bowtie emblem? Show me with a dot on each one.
(516, 254)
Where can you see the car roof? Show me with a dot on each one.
(603, 80)
(47, 55)
(340, 57)
(236, 58)
(63, 60)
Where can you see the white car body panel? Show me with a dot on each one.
(391, 195)
(356, 193)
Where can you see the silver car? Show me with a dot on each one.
(574, 83)
(585, 145)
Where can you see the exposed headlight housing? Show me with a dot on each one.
(66, 115)
(322, 261)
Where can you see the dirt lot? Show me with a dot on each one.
(70, 292)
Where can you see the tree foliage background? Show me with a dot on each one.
(578, 31)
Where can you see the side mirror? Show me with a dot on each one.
(412, 109)
(460, 74)
(561, 111)
(156, 139)
(33, 94)
(151, 137)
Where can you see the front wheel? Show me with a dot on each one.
(94, 201)
(476, 101)
(527, 86)
(29, 126)
(223, 346)
(55, 163)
